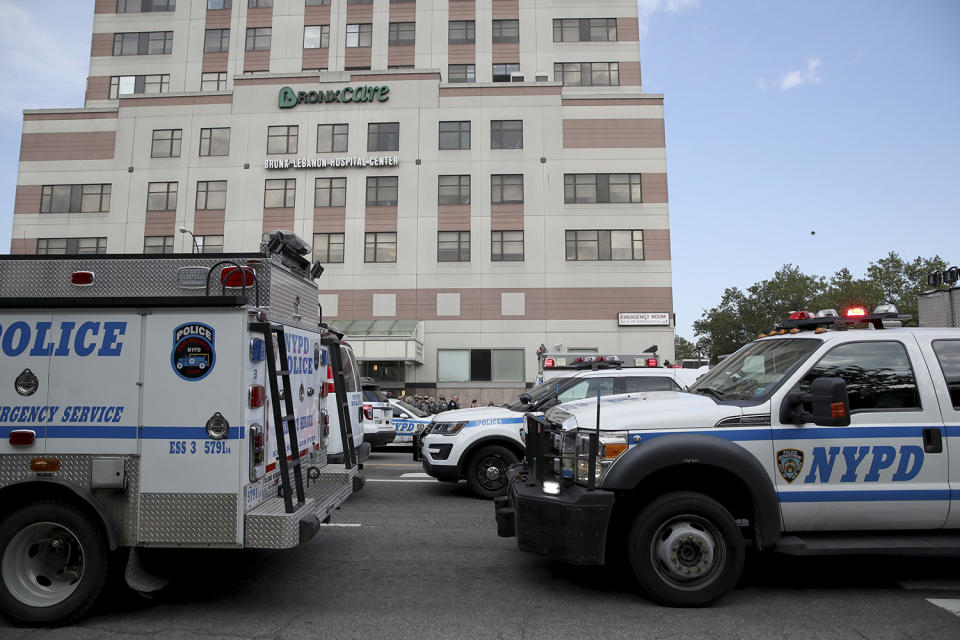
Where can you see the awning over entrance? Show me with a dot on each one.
(384, 340)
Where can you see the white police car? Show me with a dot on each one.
(809, 442)
(478, 444)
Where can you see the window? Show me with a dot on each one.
(878, 375)
(75, 198)
(480, 365)
(328, 247)
(402, 33)
(506, 246)
(209, 244)
(648, 383)
(145, 6)
(162, 196)
(948, 354)
(216, 40)
(506, 31)
(219, 4)
(588, 388)
(461, 73)
(455, 135)
(330, 192)
(461, 32)
(453, 246)
(128, 85)
(259, 4)
(506, 134)
(332, 137)
(212, 194)
(506, 189)
(602, 244)
(359, 35)
(278, 194)
(142, 43)
(166, 143)
(359, 1)
(583, 188)
(587, 73)
(215, 142)
(383, 136)
(282, 139)
(501, 72)
(453, 190)
(382, 191)
(213, 81)
(50, 246)
(258, 39)
(585, 30)
(158, 244)
(316, 37)
(318, 3)
(380, 247)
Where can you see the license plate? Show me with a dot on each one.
(253, 495)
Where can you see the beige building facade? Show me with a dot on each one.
(479, 178)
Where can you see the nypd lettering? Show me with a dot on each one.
(300, 358)
(864, 463)
(193, 355)
(44, 339)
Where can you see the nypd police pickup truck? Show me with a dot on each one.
(814, 440)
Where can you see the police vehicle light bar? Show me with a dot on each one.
(549, 363)
(856, 312)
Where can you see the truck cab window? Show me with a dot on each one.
(587, 389)
(649, 383)
(878, 375)
(948, 354)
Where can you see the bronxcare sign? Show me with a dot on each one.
(630, 319)
(289, 98)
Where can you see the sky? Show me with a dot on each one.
(823, 133)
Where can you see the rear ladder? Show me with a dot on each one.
(274, 334)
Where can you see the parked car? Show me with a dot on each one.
(377, 415)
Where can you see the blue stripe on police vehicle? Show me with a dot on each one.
(494, 422)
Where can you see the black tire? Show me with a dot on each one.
(702, 540)
(61, 537)
(487, 471)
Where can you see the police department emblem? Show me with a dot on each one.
(193, 354)
(790, 462)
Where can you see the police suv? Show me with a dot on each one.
(479, 444)
(813, 440)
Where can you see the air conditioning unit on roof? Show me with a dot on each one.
(516, 76)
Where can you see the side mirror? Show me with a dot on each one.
(825, 404)
(525, 398)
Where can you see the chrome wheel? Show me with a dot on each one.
(43, 564)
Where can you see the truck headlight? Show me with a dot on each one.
(610, 446)
(447, 428)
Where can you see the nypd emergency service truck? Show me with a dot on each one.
(818, 439)
(478, 444)
(160, 401)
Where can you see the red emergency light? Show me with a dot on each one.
(801, 315)
(257, 395)
(233, 277)
(81, 278)
(22, 437)
(856, 312)
(651, 362)
(549, 363)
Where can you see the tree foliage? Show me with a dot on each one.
(683, 348)
(742, 315)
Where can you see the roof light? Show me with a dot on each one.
(81, 278)
(258, 350)
(231, 277)
(886, 308)
(828, 313)
(651, 362)
(549, 363)
(801, 315)
(856, 312)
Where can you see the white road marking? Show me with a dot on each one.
(339, 524)
(415, 475)
(944, 584)
(953, 606)
(398, 480)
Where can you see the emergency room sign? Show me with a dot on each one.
(632, 319)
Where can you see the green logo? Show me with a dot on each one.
(288, 98)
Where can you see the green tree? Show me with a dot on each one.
(683, 348)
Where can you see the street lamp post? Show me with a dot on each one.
(196, 248)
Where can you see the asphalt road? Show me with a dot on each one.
(410, 557)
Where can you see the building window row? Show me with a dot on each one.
(213, 5)
(145, 6)
(75, 198)
(129, 85)
(480, 365)
(587, 74)
(144, 43)
(452, 246)
(213, 81)
(589, 188)
(61, 246)
(584, 29)
(216, 40)
(604, 244)
(200, 244)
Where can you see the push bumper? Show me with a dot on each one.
(571, 525)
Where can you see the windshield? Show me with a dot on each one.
(752, 373)
(412, 410)
(538, 394)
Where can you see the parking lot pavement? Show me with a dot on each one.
(414, 559)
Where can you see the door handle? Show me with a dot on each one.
(932, 440)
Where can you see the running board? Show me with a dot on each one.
(906, 544)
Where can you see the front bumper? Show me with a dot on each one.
(443, 473)
(570, 526)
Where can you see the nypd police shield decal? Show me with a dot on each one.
(790, 462)
(193, 354)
